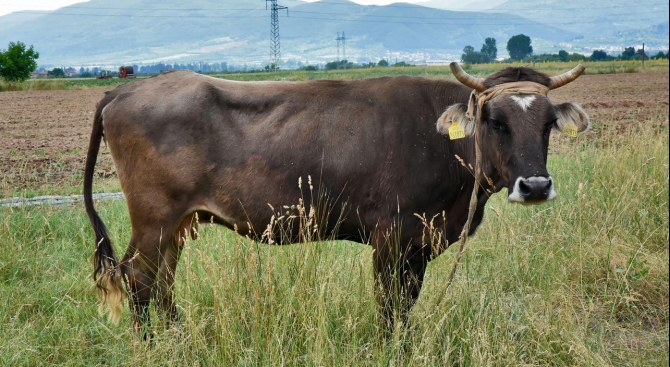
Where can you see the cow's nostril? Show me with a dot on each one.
(547, 187)
(524, 189)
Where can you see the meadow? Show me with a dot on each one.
(580, 281)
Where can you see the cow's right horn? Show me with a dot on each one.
(467, 79)
(567, 77)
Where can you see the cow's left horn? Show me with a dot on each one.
(467, 79)
(565, 78)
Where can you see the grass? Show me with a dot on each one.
(482, 70)
(552, 68)
(62, 84)
(581, 281)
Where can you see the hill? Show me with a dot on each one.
(655, 37)
(467, 5)
(237, 31)
(590, 17)
(10, 21)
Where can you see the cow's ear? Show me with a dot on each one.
(455, 113)
(571, 117)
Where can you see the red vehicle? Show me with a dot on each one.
(105, 74)
(126, 72)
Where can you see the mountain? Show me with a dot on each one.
(9, 21)
(655, 37)
(590, 17)
(108, 32)
(482, 5)
(464, 5)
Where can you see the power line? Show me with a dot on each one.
(531, 23)
(46, 12)
(338, 3)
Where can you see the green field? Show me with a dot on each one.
(581, 281)
(551, 68)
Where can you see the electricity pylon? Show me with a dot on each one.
(274, 30)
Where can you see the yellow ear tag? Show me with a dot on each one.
(456, 131)
(570, 129)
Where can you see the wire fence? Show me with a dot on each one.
(18, 202)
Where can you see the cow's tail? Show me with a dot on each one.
(106, 271)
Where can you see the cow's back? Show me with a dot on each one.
(232, 148)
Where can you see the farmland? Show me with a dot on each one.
(583, 280)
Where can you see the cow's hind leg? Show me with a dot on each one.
(169, 258)
(141, 267)
(164, 290)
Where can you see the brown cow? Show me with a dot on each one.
(185, 143)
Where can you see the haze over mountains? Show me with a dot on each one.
(106, 32)
(587, 17)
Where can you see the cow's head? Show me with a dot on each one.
(515, 127)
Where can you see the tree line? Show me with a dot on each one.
(346, 64)
(520, 48)
(18, 60)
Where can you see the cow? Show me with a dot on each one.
(189, 146)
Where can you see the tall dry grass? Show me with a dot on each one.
(581, 281)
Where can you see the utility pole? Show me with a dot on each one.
(274, 30)
(643, 55)
(344, 49)
(338, 50)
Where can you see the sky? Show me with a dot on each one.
(9, 6)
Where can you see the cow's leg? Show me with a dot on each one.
(164, 290)
(140, 267)
(399, 272)
(413, 271)
(169, 258)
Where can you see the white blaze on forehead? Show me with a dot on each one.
(523, 101)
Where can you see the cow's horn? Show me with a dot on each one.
(467, 79)
(565, 78)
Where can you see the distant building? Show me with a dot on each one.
(38, 75)
(437, 62)
(166, 70)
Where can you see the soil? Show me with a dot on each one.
(45, 133)
(620, 99)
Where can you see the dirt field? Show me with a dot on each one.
(47, 132)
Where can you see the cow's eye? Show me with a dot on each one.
(495, 124)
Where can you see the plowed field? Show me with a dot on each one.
(45, 133)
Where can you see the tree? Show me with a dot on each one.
(56, 73)
(519, 47)
(563, 55)
(628, 53)
(17, 62)
(599, 55)
(383, 63)
(401, 64)
(490, 49)
(470, 56)
(467, 56)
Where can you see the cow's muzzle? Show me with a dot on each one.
(532, 190)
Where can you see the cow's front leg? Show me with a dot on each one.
(399, 270)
